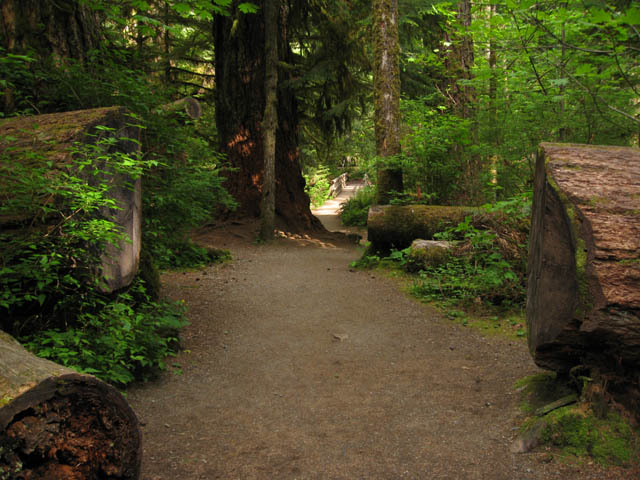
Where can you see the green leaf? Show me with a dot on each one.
(182, 8)
(631, 16)
(248, 7)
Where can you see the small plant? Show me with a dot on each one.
(354, 212)
(117, 339)
(318, 184)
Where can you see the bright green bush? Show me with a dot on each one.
(318, 183)
(50, 267)
(354, 212)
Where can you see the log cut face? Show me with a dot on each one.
(56, 424)
(583, 304)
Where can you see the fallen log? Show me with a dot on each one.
(396, 226)
(583, 305)
(56, 424)
(48, 140)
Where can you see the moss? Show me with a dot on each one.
(5, 400)
(577, 431)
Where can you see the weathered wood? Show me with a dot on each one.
(56, 424)
(395, 226)
(51, 137)
(583, 304)
(190, 106)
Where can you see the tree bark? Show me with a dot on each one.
(386, 92)
(62, 28)
(240, 103)
(392, 226)
(270, 120)
(56, 424)
(583, 304)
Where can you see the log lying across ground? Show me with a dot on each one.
(49, 139)
(583, 304)
(396, 226)
(56, 424)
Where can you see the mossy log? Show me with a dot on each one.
(583, 305)
(49, 140)
(396, 226)
(56, 424)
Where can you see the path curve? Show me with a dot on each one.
(298, 367)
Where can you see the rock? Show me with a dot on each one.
(529, 439)
(423, 253)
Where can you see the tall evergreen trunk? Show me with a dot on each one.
(386, 91)
(240, 102)
(270, 120)
(58, 28)
(52, 30)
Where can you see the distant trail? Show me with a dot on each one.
(329, 212)
(298, 367)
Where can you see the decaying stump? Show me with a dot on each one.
(583, 303)
(56, 424)
(51, 137)
(396, 226)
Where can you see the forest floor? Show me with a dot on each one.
(296, 366)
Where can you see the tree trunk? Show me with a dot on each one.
(583, 303)
(270, 120)
(386, 92)
(52, 29)
(398, 226)
(62, 28)
(240, 103)
(56, 424)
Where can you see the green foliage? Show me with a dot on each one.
(608, 440)
(354, 212)
(117, 339)
(180, 195)
(50, 265)
(489, 263)
(318, 183)
(432, 157)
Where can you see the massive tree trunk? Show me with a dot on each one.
(56, 424)
(386, 92)
(240, 102)
(53, 30)
(583, 305)
(62, 28)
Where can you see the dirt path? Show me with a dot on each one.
(299, 368)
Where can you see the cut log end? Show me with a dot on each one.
(583, 305)
(56, 424)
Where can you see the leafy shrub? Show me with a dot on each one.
(318, 183)
(490, 261)
(50, 267)
(354, 212)
(118, 339)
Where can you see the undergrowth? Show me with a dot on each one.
(606, 435)
(56, 225)
(483, 280)
(354, 211)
